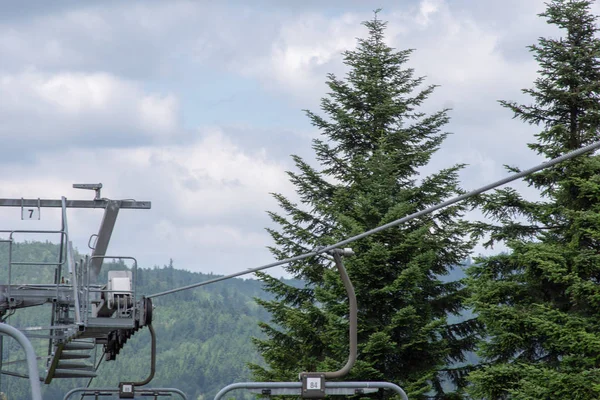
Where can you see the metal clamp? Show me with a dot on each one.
(313, 385)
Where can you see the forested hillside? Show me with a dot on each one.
(203, 334)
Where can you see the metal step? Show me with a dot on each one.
(73, 365)
(73, 373)
(79, 346)
(73, 356)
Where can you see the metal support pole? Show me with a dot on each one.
(34, 375)
(111, 212)
(71, 264)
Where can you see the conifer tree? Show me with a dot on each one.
(374, 139)
(540, 300)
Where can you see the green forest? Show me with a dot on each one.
(203, 335)
(518, 324)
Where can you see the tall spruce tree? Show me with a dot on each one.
(540, 301)
(373, 141)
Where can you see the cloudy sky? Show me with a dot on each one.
(197, 106)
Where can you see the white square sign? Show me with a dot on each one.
(30, 213)
(313, 383)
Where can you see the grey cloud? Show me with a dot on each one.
(279, 143)
(208, 222)
(17, 11)
(43, 112)
(135, 39)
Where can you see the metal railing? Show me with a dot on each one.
(34, 375)
(97, 392)
(11, 233)
(296, 387)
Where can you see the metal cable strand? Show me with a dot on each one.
(397, 222)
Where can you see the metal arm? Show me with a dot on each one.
(152, 360)
(352, 315)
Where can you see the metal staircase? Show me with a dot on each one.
(69, 360)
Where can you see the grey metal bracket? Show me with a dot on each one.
(126, 390)
(313, 385)
(90, 186)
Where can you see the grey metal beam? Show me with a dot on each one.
(32, 295)
(131, 204)
(104, 233)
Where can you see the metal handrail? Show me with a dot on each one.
(63, 235)
(34, 375)
(298, 385)
(110, 391)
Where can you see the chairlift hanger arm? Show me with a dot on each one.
(397, 222)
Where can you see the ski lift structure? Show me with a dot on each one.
(86, 314)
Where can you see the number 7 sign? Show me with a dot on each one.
(30, 213)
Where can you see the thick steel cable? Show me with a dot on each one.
(397, 222)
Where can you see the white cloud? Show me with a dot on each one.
(74, 95)
(64, 106)
(426, 9)
(304, 47)
(208, 196)
(213, 178)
